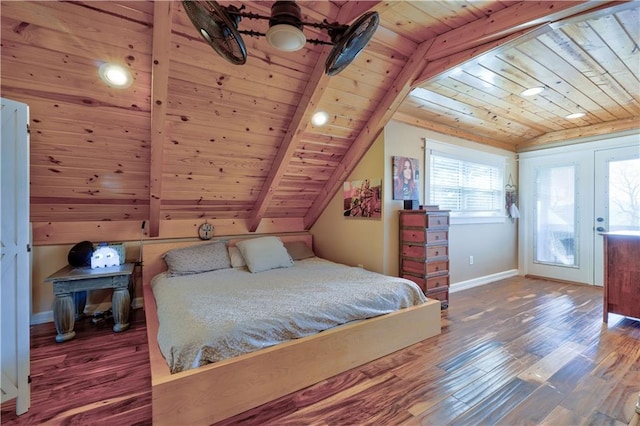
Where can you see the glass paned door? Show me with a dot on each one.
(556, 234)
(617, 197)
(556, 216)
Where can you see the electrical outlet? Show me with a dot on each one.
(470, 260)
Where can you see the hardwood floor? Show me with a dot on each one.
(519, 351)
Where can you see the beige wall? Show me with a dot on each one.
(493, 246)
(349, 240)
(374, 244)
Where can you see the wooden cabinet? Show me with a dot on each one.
(622, 273)
(424, 251)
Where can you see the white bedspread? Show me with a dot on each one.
(216, 315)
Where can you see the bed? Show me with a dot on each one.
(205, 394)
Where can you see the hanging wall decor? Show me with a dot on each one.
(511, 197)
(406, 178)
(362, 198)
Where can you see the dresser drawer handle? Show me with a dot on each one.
(437, 237)
(437, 252)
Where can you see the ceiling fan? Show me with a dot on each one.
(218, 25)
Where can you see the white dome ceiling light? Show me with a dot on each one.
(532, 91)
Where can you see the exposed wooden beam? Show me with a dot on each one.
(55, 233)
(317, 84)
(162, 12)
(442, 66)
(458, 133)
(357, 8)
(561, 136)
(517, 17)
(380, 117)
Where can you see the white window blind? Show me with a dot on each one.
(470, 183)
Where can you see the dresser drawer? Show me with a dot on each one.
(424, 236)
(417, 252)
(437, 251)
(422, 282)
(425, 220)
(436, 282)
(425, 268)
(437, 268)
(437, 221)
(439, 294)
(423, 252)
(437, 237)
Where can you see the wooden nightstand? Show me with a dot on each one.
(69, 280)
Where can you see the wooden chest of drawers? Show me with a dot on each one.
(424, 251)
(622, 273)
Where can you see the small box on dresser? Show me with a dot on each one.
(424, 251)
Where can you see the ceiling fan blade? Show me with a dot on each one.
(354, 39)
(218, 29)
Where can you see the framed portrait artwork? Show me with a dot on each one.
(406, 178)
(362, 198)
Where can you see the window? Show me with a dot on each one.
(468, 182)
(555, 236)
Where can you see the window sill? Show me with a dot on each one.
(471, 220)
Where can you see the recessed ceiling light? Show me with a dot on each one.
(575, 115)
(532, 91)
(320, 118)
(115, 75)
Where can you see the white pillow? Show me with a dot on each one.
(237, 260)
(264, 253)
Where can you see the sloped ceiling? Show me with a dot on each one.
(197, 138)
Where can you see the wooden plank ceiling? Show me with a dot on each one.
(197, 138)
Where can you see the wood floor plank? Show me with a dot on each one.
(534, 408)
(517, 351)
(547, 366)
(498, 404)
(570, 374)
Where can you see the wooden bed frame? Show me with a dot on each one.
(223, 389)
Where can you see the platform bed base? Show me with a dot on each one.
(223, 389)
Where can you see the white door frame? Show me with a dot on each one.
(15, 276)
(582, 153)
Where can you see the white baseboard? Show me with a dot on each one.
(47, 316)
(487, 279)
